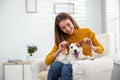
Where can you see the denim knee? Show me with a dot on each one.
(56, 66)
(55, 70)
(66, 72)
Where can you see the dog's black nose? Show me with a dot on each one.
(75, 51)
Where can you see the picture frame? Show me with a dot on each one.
(31, 6)
(64, 7)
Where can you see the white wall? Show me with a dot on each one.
(18, 28)
(94, 15)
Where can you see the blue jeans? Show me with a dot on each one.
(59, 69)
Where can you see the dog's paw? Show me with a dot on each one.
(85, 58)
(92, 58)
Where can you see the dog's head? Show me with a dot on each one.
(75, 49)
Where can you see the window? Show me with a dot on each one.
(79, 12)
(113, 21)
(64, 7)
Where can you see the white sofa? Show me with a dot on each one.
(98, 69)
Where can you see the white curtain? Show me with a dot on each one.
(113, 21)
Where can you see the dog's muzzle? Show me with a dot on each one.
(76, 54)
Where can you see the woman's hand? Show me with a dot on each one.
(88, 42)
(63, 45)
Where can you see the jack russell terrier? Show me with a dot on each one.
(75, 53)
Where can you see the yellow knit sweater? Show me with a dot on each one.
(77, 36)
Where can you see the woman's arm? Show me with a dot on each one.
(92, 42)
(55, 52)
(88, 42)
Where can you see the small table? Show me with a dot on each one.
(15, 63)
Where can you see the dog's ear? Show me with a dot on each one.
(68, 45)
(81, 43)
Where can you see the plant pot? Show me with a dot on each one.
(30, 58)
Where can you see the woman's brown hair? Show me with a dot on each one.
(59, 34)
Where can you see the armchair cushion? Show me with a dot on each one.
(43, 75)
(37, 66)
(107, 42)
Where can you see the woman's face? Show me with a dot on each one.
(66, 26)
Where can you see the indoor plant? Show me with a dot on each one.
(31, 49)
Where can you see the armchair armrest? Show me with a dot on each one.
(37, 66)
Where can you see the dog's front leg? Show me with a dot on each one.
(83, 57)
(90, 58)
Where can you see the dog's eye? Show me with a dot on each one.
(71, 47)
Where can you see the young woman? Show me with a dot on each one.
(67, 31)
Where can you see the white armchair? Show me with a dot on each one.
(98, 69)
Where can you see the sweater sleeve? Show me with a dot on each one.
(49, 58)
(96, 43)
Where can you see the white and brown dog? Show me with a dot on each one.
(75, 53)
